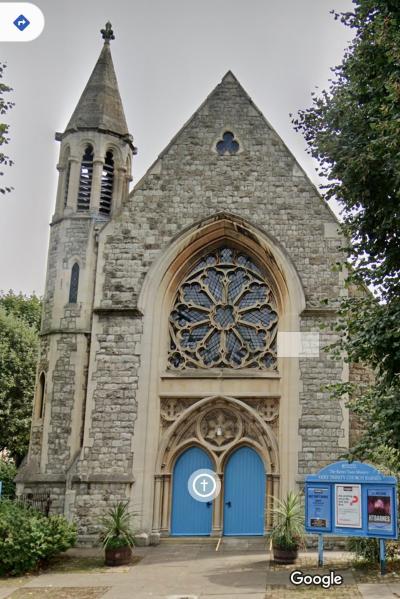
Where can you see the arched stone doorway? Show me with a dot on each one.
(170, 393)
(219, 425)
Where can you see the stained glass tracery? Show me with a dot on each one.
(224, 316)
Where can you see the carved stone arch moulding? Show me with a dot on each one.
(218, 424)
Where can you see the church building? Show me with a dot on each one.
(163, 307)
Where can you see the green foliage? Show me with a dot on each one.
(5, 105)
(367, 550)
(370, 334)
(116, 527)
(19, 321)
(27, 538)
(8, 472)
(26, 307)
(288, 530)
(353, 130)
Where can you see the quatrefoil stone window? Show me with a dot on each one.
(224, 316)
(228, 144)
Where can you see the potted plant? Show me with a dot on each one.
(288, 531)
(117, 536)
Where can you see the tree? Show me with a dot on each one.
(19, 325)
(353, 130)
(28, 308)
(5, 105)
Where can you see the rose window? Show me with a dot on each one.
(224, 316)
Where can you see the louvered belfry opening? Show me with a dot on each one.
(85, 180)
(107, 184)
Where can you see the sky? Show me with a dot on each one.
(168, 56)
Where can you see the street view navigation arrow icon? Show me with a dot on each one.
(21, 22)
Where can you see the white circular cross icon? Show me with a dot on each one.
(204, 485)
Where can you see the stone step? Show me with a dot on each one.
(244, 544)
(226, 544)
(189, 540)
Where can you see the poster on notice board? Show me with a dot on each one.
(348, 506)
(380, 508)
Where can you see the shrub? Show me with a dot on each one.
(28, 538)
(367, 550)
(116, 527)
(288, 530)
(8, 472)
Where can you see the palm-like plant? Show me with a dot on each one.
(288, 530)
(116, 527)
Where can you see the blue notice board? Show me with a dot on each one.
(351, 499)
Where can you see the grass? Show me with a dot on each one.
(85, 564)
(65, 564)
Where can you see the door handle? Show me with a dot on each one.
(209, 503)
(228, 503)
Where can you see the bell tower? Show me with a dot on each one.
(96, 147)
(94, 173)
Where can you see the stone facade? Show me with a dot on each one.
(116, 416)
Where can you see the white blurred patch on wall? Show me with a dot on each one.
(294, 344)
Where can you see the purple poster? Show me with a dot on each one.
(380, 510)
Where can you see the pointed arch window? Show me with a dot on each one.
(42, 388)
(74, 284)
(224, 315)
(107, 184)
(85, 180)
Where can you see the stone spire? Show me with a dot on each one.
(100, 105)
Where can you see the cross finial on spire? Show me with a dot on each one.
(107, 33)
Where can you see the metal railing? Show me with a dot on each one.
(39, 501)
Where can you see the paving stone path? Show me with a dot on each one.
(193, 571)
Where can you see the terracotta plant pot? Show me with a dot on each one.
(285, 556)
(120, 556)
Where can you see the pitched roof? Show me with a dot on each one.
(100, 105)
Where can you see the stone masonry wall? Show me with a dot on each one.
(321, 418)
(35, 444)
(68, 240)
(91, 502)
(115, 379)
(61, 403)
(190, 182)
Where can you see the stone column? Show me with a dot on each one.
(166, 503)
(60, 188)
(73, 186)
(275, 491)
(158, 479)
(269, 502)
(118, 188)
(218, 511)
(96, 185)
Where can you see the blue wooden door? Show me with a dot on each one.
(244, 498)
(189, 517)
